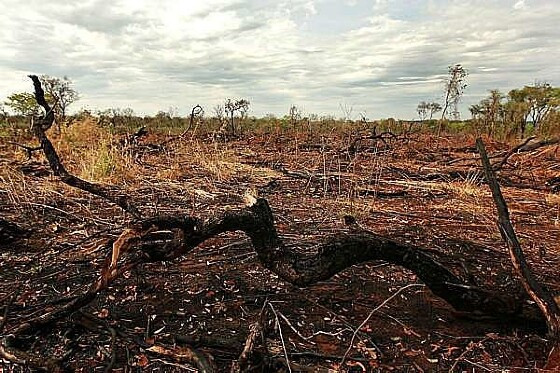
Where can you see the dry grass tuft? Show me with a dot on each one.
(91, 152)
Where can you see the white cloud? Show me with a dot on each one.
(152, 55)
(520, 5)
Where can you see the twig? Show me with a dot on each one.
(28, 149)
(307, 339)
(281, 338)
(461, 357)
(6, 310)
(28, 360)
(371, 314)
(184, 354)
(109, 366)
(255, 330)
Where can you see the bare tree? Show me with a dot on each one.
(294, 115)
(346, 111)
(231, 107)
(219, 112)
(433, 107)
(455, 85)
(422, 110)
(61, 91)
(197, 111)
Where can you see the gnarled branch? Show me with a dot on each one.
(39, 127)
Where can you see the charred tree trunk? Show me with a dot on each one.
(536, 291)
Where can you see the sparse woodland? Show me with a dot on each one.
(230, 243)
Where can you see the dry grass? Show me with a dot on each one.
(92, 152)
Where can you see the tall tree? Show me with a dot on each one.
(542, 99)
(532, 104)
(455, 85)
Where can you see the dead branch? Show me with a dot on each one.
(538, 293)
(279, 326)
(197, 110)
(182, 355)
(29, 360)
(133, 138)
(498, 165)
(529, 147)
(26, 148)
(255, 330)
(39, 127)
(383, 136)
(11, 300)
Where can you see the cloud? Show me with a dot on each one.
(520, 5)
(382, 59)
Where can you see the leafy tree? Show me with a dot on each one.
(516, 111)
(455, 85)
(489, 114)
(60, 91)
(23, 103)
(532, 104)
(542, 99)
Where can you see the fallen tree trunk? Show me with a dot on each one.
(141, 244)
(528, 145)
(318, 262)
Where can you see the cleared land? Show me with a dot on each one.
(416, 189)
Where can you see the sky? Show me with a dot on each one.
(377, 57)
